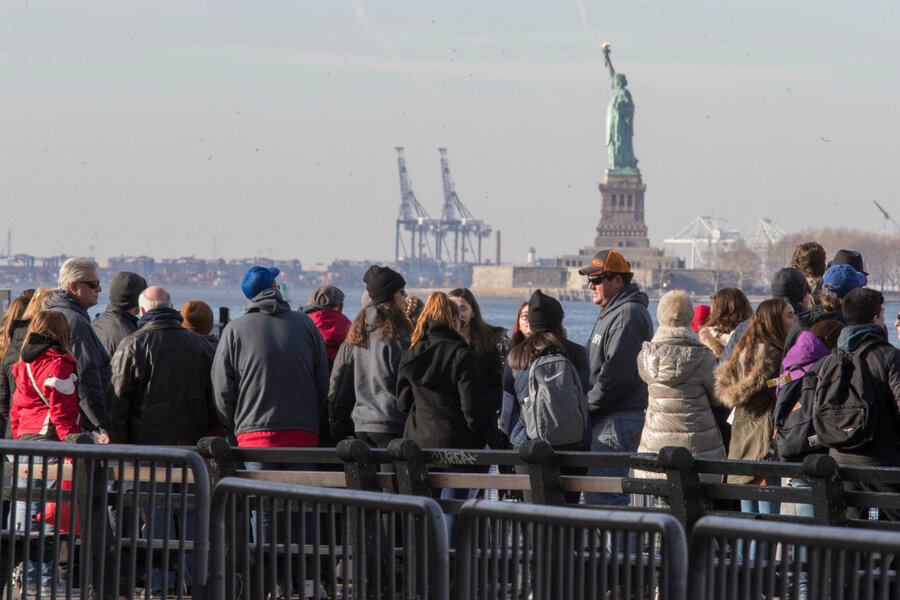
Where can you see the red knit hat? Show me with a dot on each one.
(701, 314)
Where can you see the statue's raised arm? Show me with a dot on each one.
(609, 65)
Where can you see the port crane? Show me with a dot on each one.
(887, 217)
(413, 219)
(468, 232)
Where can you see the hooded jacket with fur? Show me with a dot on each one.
(753, 403)
(679, 372)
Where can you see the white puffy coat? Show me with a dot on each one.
(680, 374)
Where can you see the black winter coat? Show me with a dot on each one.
(161, 391)
(112, 325)
(7, 381)
(884, 367)
(436, 386)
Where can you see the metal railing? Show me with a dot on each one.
(742, 559)
(524, 551)
(102, 521)
(269, 539)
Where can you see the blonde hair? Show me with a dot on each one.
(37, 302)
(438, 308)
(52, 324)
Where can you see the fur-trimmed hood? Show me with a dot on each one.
(754, 370)
(714, 340)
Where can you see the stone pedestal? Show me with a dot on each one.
(622, 212)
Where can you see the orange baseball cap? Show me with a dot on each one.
(606, 261)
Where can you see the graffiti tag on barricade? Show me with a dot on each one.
(454, 457)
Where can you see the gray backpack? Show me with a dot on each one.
(556, 408)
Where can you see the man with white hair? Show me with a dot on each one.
(161, 392)
(77, 290)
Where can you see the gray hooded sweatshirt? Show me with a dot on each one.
(622, 327)
(375, 381)
(270, 372)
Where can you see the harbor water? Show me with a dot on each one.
(579, 319)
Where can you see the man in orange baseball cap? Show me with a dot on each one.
(617, 396)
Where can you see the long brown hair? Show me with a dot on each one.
(766, 327)
(14, 313)
(51, 324)
(727, 308)
(390, 320)
(522, 355)
(483, 338)
(438, 308)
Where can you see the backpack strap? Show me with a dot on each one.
(787, 377)
(35, 385)
(868, 345)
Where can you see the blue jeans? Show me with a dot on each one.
(803, 510)
(616, 432)
(450, 520)
(264, 533)
(760, 508)
(33, 572)
(153, 526)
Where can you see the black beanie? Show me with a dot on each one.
(545, 313)
(124, 289)
(382, 283)
(789, 283)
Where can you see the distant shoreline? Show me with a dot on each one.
(524, 293)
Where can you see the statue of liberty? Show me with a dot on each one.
(619, 122)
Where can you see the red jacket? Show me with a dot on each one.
(333, 326)
(54, 373)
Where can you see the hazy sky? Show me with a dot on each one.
(157, 127)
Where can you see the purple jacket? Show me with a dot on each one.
(804, 353)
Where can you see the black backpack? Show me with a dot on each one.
(795, 436)
(846, 409)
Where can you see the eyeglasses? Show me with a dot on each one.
(598, 280)
(94, 285)
(524, 315)
(403, 292)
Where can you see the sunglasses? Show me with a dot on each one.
(598, 279)
(94, 285)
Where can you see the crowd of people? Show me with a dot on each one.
(708, 378)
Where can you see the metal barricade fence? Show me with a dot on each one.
(742, 559)
(523, 551)
(103, 521)
(277, 540)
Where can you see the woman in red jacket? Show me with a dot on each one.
(44, 408)
(45, 404)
